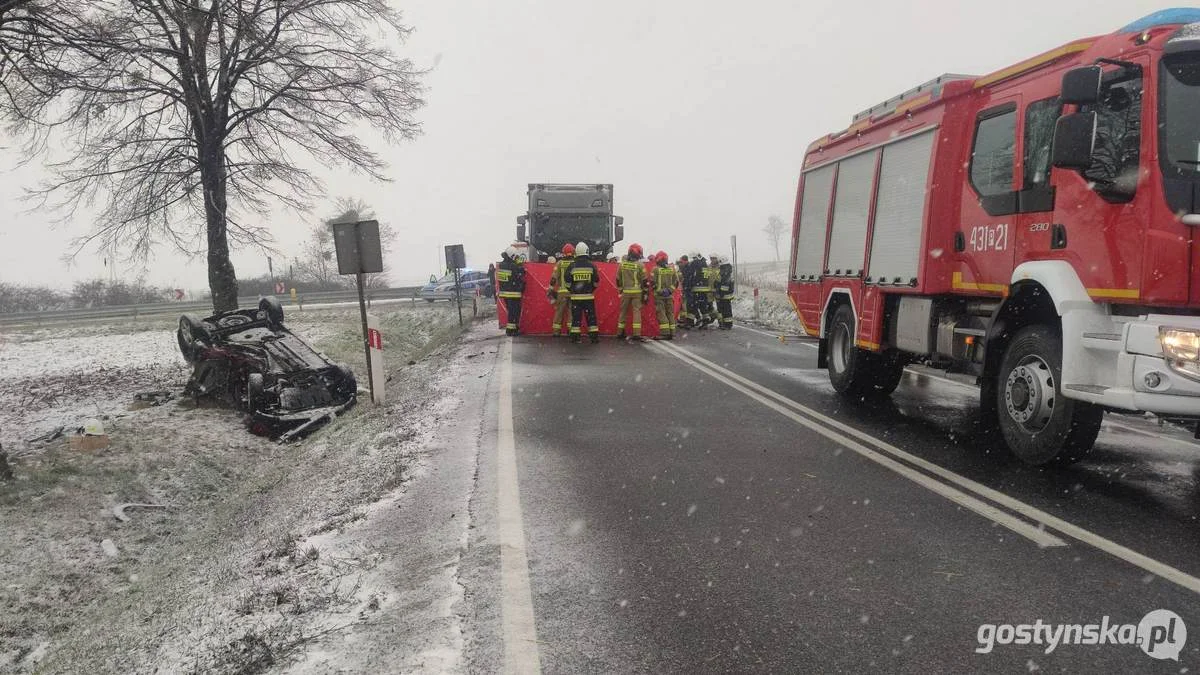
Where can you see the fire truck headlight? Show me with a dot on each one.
(1180, 345)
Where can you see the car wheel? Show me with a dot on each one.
(1039, 424)
(346, 386)
(255, 392)
(192, 336)
(273, 308)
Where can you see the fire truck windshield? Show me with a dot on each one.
(1180, 106)
(554, 230)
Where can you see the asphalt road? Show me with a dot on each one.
(708, 505)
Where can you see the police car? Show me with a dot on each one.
(443, 289)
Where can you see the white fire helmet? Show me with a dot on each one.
(582, 250)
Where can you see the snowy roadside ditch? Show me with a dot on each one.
(245, 563)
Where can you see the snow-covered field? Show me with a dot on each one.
(229, 575)
(772, 309)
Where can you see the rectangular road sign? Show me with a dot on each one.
(456, 257)
(358, 247)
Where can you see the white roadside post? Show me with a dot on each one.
(375, 345)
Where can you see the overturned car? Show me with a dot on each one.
(286, 387)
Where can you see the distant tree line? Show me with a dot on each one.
(100, 293)
(85, 294)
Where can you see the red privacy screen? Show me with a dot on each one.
(537, 312)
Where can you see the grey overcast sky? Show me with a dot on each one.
(697, 111)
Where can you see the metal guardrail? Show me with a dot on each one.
(202, 307)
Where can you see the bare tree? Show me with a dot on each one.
(774, 231)
(317, 263)
(176, 109)
(24, 27)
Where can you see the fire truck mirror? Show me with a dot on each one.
(521, 232)
(521, 220)
(618, 232)
(1075, 141)
(1081, 85)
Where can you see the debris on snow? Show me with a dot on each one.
(109, 548)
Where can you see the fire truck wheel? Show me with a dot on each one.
(1039, 424)
(890, 366)
(855, 372)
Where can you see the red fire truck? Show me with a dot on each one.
(1034, 230)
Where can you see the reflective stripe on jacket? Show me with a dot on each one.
(666, 280)
(631, 277)
(584, 279)
(511, 278)
(558, 279)
(724, 286)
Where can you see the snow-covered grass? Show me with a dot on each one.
(226, 578)
(772, 310)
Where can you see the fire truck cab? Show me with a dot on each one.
(1033, 229)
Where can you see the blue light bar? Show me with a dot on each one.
(1163, 17)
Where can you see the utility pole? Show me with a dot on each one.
(733, 247)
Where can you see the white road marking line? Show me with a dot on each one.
(1114, 549)
(1037, 535)
(516, 596)
(773, 336)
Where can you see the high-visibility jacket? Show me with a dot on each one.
(558, 278)
(724, 285)
(707, 277)
(666, 280)
(511, 277)
(584, 278)
(631, 277)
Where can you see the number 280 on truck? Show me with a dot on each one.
(1036, 230)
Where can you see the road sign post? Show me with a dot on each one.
(733, 250)
(359, 252)
(456, 259)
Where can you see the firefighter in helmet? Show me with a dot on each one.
(583, 277)
(724, 290)
(631, 284)
(684, 267)
(702, 291)
(666, 281)
(510, 274)
(559, 291)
